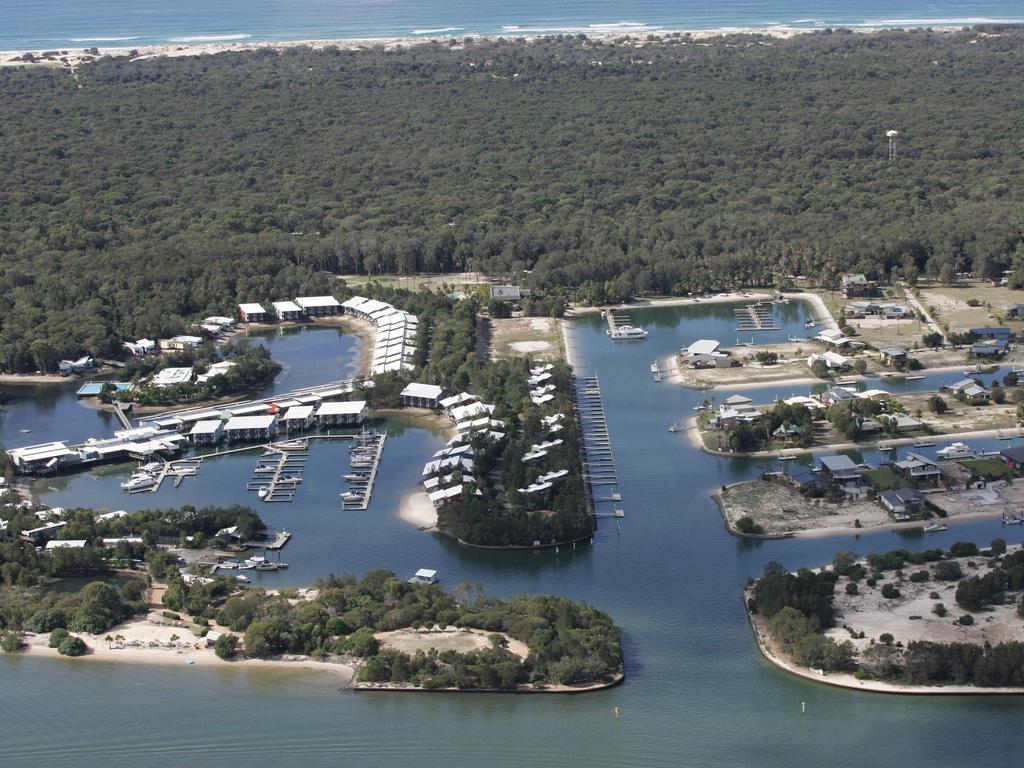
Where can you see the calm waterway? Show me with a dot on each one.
(697, 692)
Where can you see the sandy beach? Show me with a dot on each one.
(71, 58)
(143, 641)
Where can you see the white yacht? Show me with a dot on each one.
(627, 332)
(138, 482)
(935, 528)
(955, 451)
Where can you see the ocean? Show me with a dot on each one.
(30, 24)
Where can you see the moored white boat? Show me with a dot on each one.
(627, 332)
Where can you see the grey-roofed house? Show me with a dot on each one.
(1013, 457)
(918, 467)
(841, 471)
(894, 355)
(901, 501)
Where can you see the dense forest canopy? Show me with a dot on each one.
(165, 189)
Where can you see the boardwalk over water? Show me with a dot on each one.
(756, 317)
(598, 460)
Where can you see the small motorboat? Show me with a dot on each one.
(810, 323)
(627, 332)
(262, 492)
(935, 528)
(24, 430)
(349, 496)
(138, 482)
(242, 579)
(357, 477)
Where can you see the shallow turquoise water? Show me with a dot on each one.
(697, 692)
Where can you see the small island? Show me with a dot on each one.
(928, 622)
(150, 586)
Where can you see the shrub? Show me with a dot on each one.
(871, 582)
(200, 621)
(851, 588)
(46, 620)
(890, 592)
(966, 620)
(939, 610)
(225, 646)
(919, 576)
(57, 636)
(746, 525)
(933, 595)
(11, 642)
(885, 638)
(963, 549)
(71, 646)
(171, 615)
(948, 570)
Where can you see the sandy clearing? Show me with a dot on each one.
(447, 639)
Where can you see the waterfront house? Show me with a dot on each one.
(287, 310)
(1015, 311)
(919, 468)
(842, 472)
(471, 411)
(453, 401)
(44, 458)
(417, 395)
(221, 322)
(298, 418)
(68, 367)
(319, 306)
(878, 395)
(832, 337)
(1013, 457)
(216, 369)
(207, 432)
(342, 414)
(807, 402)
(894, 356)
(460, 463)
(899, 421)
(252, 312)
(212, 637)
(834, 395)
(804, 478)
(992, 349)
(902, 501)
(786, 433)
(832, 360)
(181, 342)
(261, 427)
(969, 391)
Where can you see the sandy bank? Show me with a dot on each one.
(846, 680)
(417, 509)
(141, 641)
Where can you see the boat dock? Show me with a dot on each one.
(278, 471)
(755, 317)
(177, 470)
(617, 317)
(598, 459)
(365, 452)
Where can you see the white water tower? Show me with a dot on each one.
(892, 143)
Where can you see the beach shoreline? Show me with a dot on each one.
(71, 56)
(846, 680)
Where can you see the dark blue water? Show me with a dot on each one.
(697, 692)
(81, 23)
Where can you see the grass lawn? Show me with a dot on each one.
(989, 469)
(884, 479)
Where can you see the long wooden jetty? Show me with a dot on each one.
(598, 459)
(374, 443)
